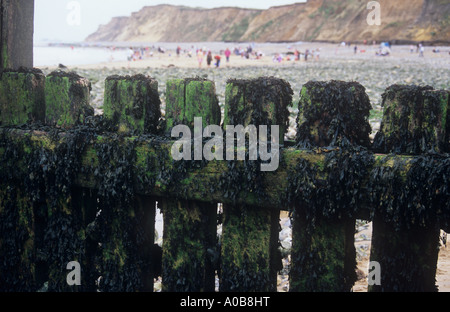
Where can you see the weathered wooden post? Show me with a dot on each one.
(22, 98)
(189, 241)
(405, 240)
(335, 115)
(16, 33)
(21, 101)
(414, 120)
(132, 105)
(249, 257)
(67, 98)
(17, 247)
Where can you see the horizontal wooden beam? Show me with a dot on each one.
(155, 173)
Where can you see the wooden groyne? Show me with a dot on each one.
(78, 187)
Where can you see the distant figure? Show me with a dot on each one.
(411, 49)
(200, 56)
(217, 63)
(317, 54)
(227, 54)
(130, 54)
(421, 51)
(355, 49)
(306, 55)
(297, 55)
(178, 51)
(209, 59)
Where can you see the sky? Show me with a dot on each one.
(73, 21)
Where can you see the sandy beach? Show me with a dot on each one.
(317, 52)
(335, 62)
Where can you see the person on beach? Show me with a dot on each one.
(130, 54)
(421, 50)
(217, 63)
(297, 55)
(227, 54)
(209, 59)
(200, 56)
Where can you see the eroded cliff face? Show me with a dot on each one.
(323, 20)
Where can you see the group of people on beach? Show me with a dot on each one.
(201, 53)
(312, 54)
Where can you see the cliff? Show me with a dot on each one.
(315, 20)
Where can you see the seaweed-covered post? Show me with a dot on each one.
(406, 224)
(189, 242)
(414, 120)
(67, 98)
(333, 116)
(126, 224)
(16, 33)
(18, 270)
(21, 101)
(22, 98)
(132, 103)
(249, 254)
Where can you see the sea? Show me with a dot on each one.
(76, 55)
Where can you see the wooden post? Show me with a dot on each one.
(189, 244)
(85, 209)
(22, 98)
(17, 241)
(132, 103)
(67, 98)
(323, 253)
(16, 33)
(127, 220)
(189, 241)
(250, 234)
(415, 121)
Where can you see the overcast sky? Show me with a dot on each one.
(73, 21)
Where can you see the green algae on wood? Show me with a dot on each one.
(67, 97)
(249, 259)
(132, 103)
(21, 97)
(415, 120)
(190, 98)
(155, 172)
(323, 256)
(407, 219)
(189, 236)
(331, 113)
(249, 249)
(189, 246)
